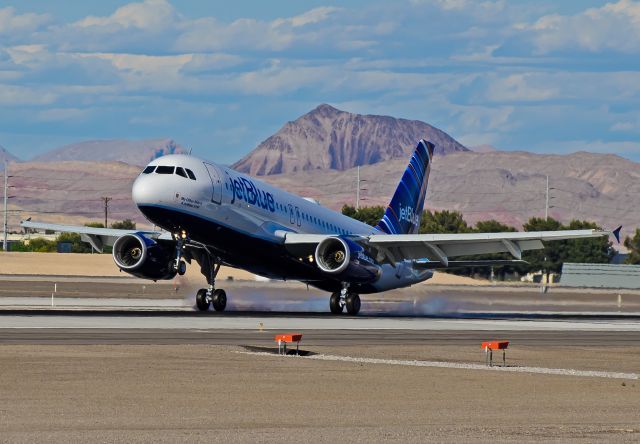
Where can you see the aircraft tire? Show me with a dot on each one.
(201, 300)
(219, 300)
(353, 304)
(182, 268)
(334, 304)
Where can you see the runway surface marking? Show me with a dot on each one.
(269, 323)
(440, 364)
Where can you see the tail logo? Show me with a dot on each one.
(408, 214)
(405, 210)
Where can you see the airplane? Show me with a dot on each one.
(215, 216)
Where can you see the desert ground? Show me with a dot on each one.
(210, 393)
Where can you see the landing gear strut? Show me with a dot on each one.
(178, 264)
(338, 301)
(210, 266)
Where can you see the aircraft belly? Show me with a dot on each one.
(241, 250)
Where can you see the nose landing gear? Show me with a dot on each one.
(178, 265)
(209, 267)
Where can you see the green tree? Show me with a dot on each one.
(551, 257)
(493, 226)
(368, 215)
(633, 245)
(77, 246)
(588, 251)
(126, 224)
(42, 245)
(554, 254)
(443, 222)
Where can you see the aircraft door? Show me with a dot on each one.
(216, 183)
(292, 215)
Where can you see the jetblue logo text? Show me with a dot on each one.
(408, 214)
(244, 189)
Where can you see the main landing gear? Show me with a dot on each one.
(344, 298)
(209, 266)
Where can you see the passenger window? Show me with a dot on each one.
(190, 173)
(149, 170)
(165, 170)
(180, 172)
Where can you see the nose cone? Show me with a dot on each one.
(142, 190)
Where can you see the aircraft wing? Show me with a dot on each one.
(395, 248)
(97, 237)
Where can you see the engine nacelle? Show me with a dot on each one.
(143, 257)
(346, 260)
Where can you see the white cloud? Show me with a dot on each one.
(21, 95)
(209, 34)
(520, 87)
(63, 114)
(310, 17)
(11, 23)
(614, 26)
(149, 14)
(142, 63)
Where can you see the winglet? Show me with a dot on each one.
(616, 233)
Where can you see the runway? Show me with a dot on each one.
(97, 327)
(313, 338)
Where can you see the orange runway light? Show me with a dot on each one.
(495, 345)
(287, 338)
(490, 346)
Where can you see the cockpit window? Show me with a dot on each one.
(191, 175)
(180, 172)
(149, 170)
(165, 170)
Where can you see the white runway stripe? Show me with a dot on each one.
(438, 364)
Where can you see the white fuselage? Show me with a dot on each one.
(248, 207)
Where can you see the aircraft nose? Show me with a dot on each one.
(142, 190)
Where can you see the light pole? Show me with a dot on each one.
(106, 210)
(5, 224)
(358, 189)
(548, 197)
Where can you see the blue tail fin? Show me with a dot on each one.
(405, 210)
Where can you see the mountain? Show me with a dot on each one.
(507, 186)
(483, 148)
(132, 152)
(6, 156)
(328, 138)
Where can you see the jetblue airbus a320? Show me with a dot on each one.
(216, 216)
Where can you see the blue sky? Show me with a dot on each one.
(220, 77)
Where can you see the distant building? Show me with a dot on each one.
(619, 258)
(600, 276)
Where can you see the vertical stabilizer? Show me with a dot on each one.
(405, 210)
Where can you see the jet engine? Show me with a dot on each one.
(143, 257)
(346, 260)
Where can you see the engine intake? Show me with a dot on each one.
(346, 259)
(143, 257)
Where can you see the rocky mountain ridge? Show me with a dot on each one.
(6, 156)
(132, 152)
(327, 138)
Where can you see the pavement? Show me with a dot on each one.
(149, 368)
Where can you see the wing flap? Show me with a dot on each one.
(440, 247)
